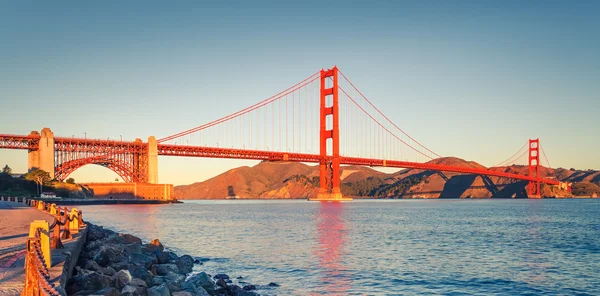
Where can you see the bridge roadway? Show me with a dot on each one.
(211, 152)
(29, 142)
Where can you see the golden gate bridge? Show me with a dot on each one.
(322, 119)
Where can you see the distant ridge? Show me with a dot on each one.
(275, 180)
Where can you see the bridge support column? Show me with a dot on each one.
(534, 169)
(329, 165)
(43, 158)
(152, 160)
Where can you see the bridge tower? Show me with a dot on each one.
(329, 164)
(534, 168)
(43, 157)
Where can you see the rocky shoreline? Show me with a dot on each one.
(113, 264)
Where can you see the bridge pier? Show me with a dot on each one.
(152, 160)
(43, 157)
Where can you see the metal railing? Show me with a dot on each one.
(38, 259)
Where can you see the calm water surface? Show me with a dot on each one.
(403, 247)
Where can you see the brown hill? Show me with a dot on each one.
(267, 180)
(296, 180)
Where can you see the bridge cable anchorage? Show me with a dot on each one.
(381, 113)
(544, 153)
(262, 103)
(512, 158)
(379, 123)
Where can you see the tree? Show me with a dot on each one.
(70, 181)
(39, 177)
(7, 170)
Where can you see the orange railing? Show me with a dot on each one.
(38, 259)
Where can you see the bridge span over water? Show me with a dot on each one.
(323, 113)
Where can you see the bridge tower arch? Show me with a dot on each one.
(534, 168)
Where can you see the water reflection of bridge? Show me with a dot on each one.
(332, 238)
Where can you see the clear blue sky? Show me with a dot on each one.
(472, 79)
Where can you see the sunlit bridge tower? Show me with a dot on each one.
(329, 163)
(534, 168)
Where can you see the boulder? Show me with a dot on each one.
(142, 259)
(194, 290)
(108, 254)
(273, 285)
(202, 280)
(175, 276)
(92, 265)
(237, 291)
(164, 269)
(219, 276)
(161, 290)
(182, 293)
(92, 282)
(138, 282)
(128, 238)
(249, 287)
(82, 271)
(110, 291)
(94, 232)
(130, 290)
(133, 248)
(223, 284)
(158, 280)
(163, 258)
(142, 273)
(121, 265)
(121, 279)
(185, 264)
(154, 247)
(173, 258)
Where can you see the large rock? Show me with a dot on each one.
(142, 259)
(121, 279)
(95, 232)
(185, 264)
(237, 291)
(161, 290)
(182, 293)
(128, 238)
(122, 265)
(201, 280)
(173, 258)
(110, 291)
(142, 273)
(163, 258)
(130, 290)
(138, 282)
(174, 281)
(108, 254)
(91, 282)
(92, 265)
(133, 248)
(164, 269)
(220, 276)
(154, 247)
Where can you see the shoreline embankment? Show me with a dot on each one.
(113, 263)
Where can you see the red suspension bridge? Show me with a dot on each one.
(322, 119)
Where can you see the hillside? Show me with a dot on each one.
(295, 180)
(10, 186)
